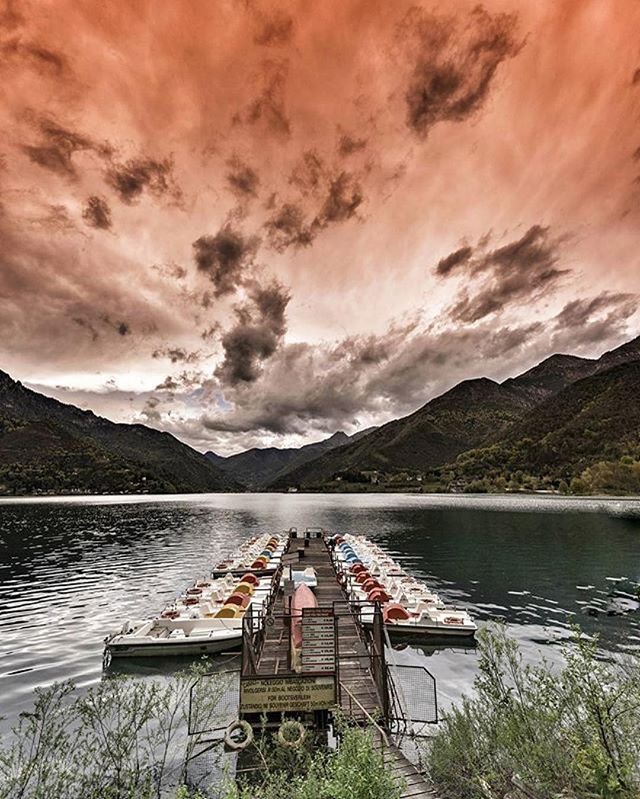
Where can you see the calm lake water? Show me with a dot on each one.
(72, 569)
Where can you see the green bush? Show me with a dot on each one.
(127, 739)
(571, 731)
(121, 739)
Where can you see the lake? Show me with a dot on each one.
(72, 569)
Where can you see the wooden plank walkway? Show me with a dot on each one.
(353, 659)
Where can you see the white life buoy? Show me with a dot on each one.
(285, 740)
(237, 745)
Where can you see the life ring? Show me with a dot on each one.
(238, 745)
(284, 740)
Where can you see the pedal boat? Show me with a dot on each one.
(208, 617)
(409, 607)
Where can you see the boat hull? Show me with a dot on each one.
(131, 648)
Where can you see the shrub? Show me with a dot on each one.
(573, 730)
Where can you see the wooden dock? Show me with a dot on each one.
(363, 694)
(354, 659)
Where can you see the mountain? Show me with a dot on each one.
(48, 446)
(591, 424)
(436, 433)
(630, 351)
(551, 376)
(255, 468)
(472, 415)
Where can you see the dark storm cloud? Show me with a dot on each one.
(121, 327)
(340, 198)
(343, 198)
(268, 107)
(578, 312)
(184, 381)
(275, 30)
(590, 321)
(168, 384)
(348, 145)
(210, 332)
(57, 146)
(176, 354)
(241, 179)
(506, 339)
(287, 227)
(151, 412)
(309, 173)
(259, 329)
(97, 213)
(523, 269)
(224, 257)
(453, 68)
(453, 260)
(131, 179)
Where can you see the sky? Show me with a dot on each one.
(256, 223)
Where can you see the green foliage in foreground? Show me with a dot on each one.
(122, 739)
(127, 739)
(356, 770)
(570, 732)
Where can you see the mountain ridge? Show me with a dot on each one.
(258, 466)
(47, 445)
(467, 416)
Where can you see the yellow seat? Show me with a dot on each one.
(243, 588)
(228, 612)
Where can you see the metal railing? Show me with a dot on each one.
(254, 626)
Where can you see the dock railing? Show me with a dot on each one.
(254, 626)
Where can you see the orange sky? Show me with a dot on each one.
(233, 219)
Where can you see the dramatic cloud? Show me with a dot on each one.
(344, 197)
(454, 68)
(578, 312)
(176, 355)
(348, 145)
(587, 321)
(97, 213)
(525, 268)
(353, 383)
(455, 259)
(243, 181)
(131, 179)
(268, 107)
(225, 257)
(288, 228)
(57, 146)
(260, 326)
(158, 205)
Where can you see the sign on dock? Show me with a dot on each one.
(269, 695)
(318, 640)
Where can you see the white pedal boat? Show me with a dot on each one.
(207, 618)
(408, 605)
